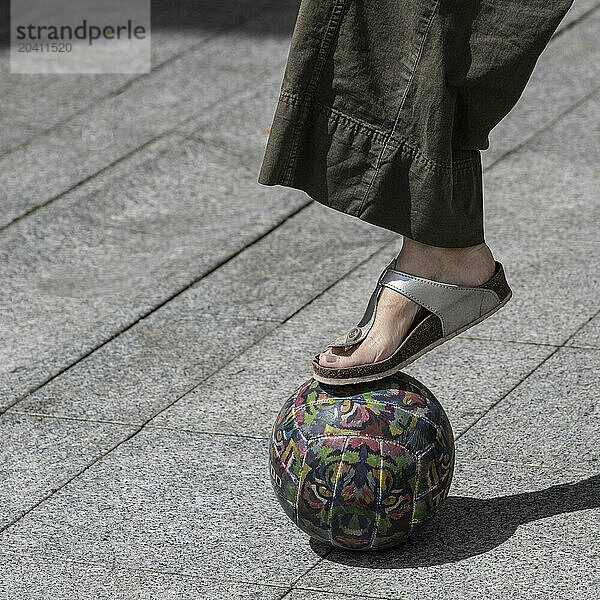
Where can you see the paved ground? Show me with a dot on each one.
(157, 306)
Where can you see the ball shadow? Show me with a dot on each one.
(466, 527)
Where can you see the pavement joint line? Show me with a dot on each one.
(307, 571)
(183, 394)
(69, 418)
(596, 348)
(310, 568)
(548, 125)
(526, 376)
(82, 183)
(575, 22)
(224, 316)
(37, 414)
(264, 438)
(173, 131)
(520, 342)
(172, 296)
(526, 343)
(207, 41)
(217, 144)
(116, 565)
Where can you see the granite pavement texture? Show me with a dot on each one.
(158, 306)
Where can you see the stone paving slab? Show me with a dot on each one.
(106, 132)
(289, 267)
(578, 10)
(176, 29)
(214, 321)
(555, 289)
(466, 375)
(500, 535)
(168, 501)
(552, 418)
(40, 454)
(115, 249)
(29, 578)
(588, 336)
(548, 188)
(180, 26)
(469, 376)
(244, 122)
(567, 70)
(147, 367)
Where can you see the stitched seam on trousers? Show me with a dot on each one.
(290, 98)
(324, 49)
(463, 164)
(404, 97)
(398, 142)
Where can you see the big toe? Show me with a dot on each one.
(333, 361)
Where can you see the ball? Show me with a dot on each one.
(362, 466)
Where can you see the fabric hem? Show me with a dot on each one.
(433, 202)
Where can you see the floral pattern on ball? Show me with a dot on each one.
(362, 466)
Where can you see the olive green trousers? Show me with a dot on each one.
(385, 106)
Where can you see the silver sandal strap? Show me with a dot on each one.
(360, 332)
(455, 306)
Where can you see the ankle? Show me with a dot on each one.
(471, 265)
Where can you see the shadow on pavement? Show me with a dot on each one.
(466, 527)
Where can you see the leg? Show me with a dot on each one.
(384, 109)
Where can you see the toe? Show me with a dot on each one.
(328, 359)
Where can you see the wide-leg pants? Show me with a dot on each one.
(385, 106)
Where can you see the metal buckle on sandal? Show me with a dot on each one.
(352, 335)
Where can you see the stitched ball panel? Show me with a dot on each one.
(360, 466)
(397, 410)
(435, 468)
(318, 485)
(395, 505)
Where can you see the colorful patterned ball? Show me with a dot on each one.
(362, 466)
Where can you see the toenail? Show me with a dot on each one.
(331, 358)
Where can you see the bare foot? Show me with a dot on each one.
(395, 313)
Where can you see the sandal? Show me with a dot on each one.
(446, 310)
